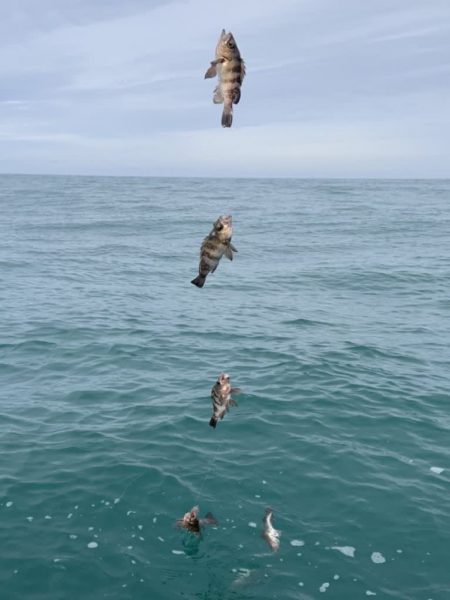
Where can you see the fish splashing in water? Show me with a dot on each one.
(270, 534)
(191, 522)
(230, 69)
(221, 398)
(214, 246)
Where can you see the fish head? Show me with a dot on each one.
(190, 519)
(224, 227)
(267, 519)
(223, 379)
(227, 47)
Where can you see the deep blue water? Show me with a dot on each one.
(334, 319)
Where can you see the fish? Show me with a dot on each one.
(270, 534)
(214, 246)
(230, 69)
(221, 398)
(191, 522)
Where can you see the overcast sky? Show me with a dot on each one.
(334, 88)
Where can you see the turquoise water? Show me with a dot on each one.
(333, 319)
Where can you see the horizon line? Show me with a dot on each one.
(244, 177)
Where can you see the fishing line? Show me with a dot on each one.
(208, 472)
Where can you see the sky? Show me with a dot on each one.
(334, 88)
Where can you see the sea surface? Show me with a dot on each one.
(333, 318)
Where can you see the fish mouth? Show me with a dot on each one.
(226, 219)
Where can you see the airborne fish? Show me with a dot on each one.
(191, 521)
(229, 67)
(214, 246)
(221, 398)
(270, 534)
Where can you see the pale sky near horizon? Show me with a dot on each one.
(334, 88)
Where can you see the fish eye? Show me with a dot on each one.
(230, 44)
(219, 227)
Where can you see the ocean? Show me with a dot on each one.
(334, 319)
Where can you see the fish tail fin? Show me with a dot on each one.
(213, 422)
(227, 115)
(199, 281)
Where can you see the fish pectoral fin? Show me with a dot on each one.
(229, 252)
(210, 519)
(235, 391)
(212, 71)
(232, 247)
(218, 95)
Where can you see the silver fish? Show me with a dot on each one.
(270, 534)
(229, 67)
(221, 398)
(214, 246)
(191, 521)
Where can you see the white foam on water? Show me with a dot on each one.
(140, 527)
(133, 562)
(154, 519)
(369, 593)
(129, 547)
(399, 551)
(347, 550)
(301, 584)
(324, 587)
(257, 496)
(92, 545)
(70, 515)
(177, 552)
(160, 539)
(252, 524)
(299, 553)
(377, 558)
(264, 482)
(9, 504)
(76, 507)
(48, 517)
(57, 560)
(142, 539)
(297, 543)
(437, 470)
(73, 536)
(30, 519)
(16, 571)
(335, 577)
(90, 528)
(116, 500)
(130, 512)
(107, 503)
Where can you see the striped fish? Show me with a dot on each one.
(191, 522)
(270, 534)
(221, 398)
(214, 246)
(229, 67)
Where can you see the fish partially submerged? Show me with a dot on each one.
(221, 398)
(191, 522)
(214, 246)
(230, 69)
(270, 534)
